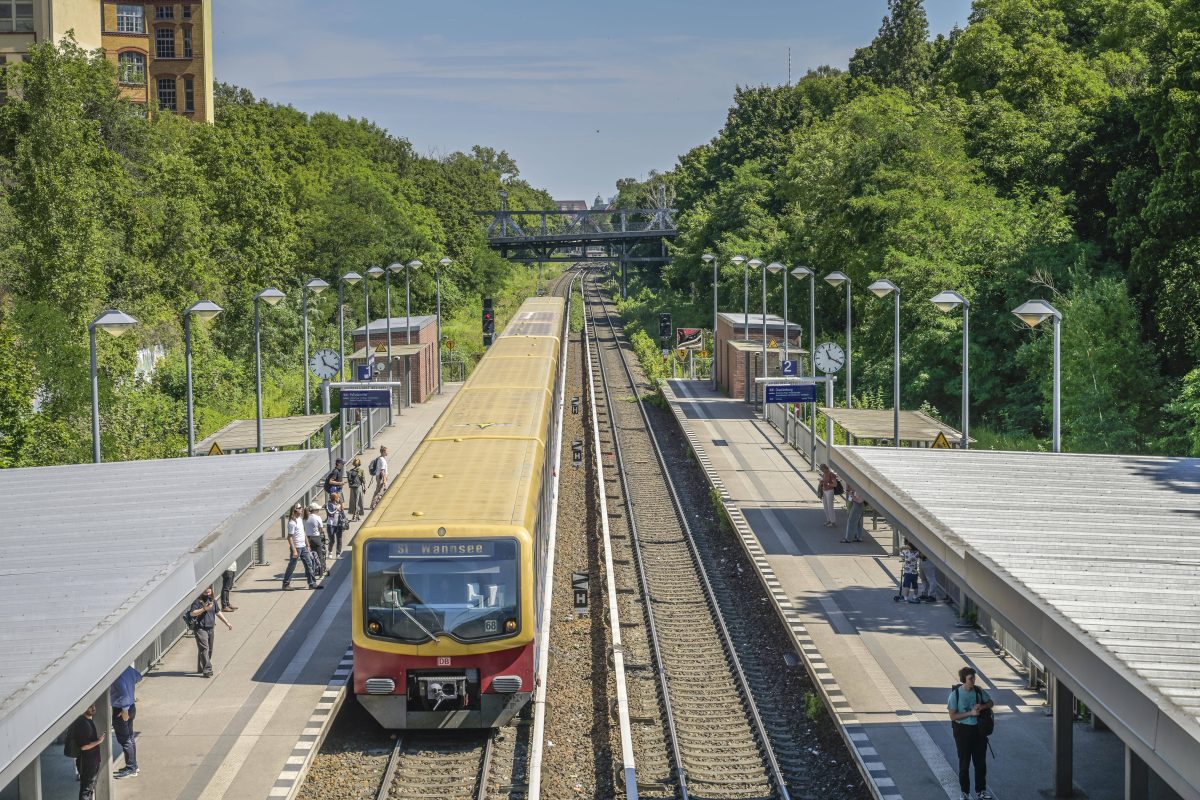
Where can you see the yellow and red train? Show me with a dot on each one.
(448, 569)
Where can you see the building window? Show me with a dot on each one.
(131, 19)
(166, 94)
(187, 12)
(131, 69)
(164, 12)
(16, 16)
(187, 42)
(164, 43)
(189, 95)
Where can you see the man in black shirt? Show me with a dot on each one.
(205, 612)
(335, 481)
(88, 763)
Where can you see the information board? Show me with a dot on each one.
(365, 398)
(792, 393)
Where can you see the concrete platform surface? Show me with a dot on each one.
(888, 666)
(230, 736)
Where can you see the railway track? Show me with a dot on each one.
(696, 730)
(449, 767)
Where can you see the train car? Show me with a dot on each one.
(448, 569)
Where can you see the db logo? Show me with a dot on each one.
(443, 661)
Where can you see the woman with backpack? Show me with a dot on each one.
(970, 710)
(335, 523)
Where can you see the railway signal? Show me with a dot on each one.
(664, 325)
(489, 321)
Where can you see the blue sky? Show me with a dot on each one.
(579, 93)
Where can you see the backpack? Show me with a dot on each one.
(354, 479)
(986, 719)
(71, 748)
(373, 467)
(331, 481)
(188, 619)
(839, 489)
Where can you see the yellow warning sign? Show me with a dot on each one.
(940, 442)
(449, 345)
(772, 343)
(216, 450)
(683, 353)
(381, 348)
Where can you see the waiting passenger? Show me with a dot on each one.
(827, 488)
(358, 487)
(910, 557)
(968, 705)
(854, 522)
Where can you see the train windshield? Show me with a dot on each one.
(419, 589)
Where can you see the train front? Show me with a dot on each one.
(444, 627)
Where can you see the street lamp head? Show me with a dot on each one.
(1035, 312)
(708, 258)
(113, 322)
(445, 261)
(316, 286)
(503, 195)
(395, 266)
(739, 260)
(775, 267)
(836, 279)
(375, 272)
(755, 263)
(269, 296)
(351, 278)
(948, 301)
(802, 272)
(204, 309)
(882, 288)
(415, 264)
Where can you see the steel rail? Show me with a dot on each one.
(628, 762)
(774, 771)
(660, 670)
(478, 792)
(537, 743)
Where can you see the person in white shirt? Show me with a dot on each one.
(381, 476)
(298, 544)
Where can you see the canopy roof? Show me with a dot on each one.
(869, 423)
(278, 432)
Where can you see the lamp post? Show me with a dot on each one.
(948, 301)
(411, 265)
(316, 286)
(395, 266)
(443, 263)
(1034, 313)
(373, 272)
(709, 258)
(740, 261)
(836, 279)
(882, 288)
(351, 278)
(205, 310)
(114, 323)
(775, 267)
(756, 263)
(270, 297)
(801, 273)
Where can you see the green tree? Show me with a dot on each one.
(901, 54)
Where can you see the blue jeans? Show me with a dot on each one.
(854, 524)
(304, 556)
(124, 734)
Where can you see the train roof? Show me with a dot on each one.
(495, 414)
(538, 316)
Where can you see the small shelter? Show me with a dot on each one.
(279, 433)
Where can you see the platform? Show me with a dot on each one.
(233, 736)
(885, 668)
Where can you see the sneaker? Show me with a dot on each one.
(964, 796)
(127, 772)
(317, 586)
(983, 794)
(913, 600)
(288, 588)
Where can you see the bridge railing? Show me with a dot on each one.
(505, 224)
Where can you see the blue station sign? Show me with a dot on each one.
(365, 398)
(788, 368)
(791, 393)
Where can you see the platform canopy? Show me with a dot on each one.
(278, 433)
(869, 423)
(1091, 561)
(100, 559)
(398, 350)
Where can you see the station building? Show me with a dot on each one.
(414, 352)
(162, 51)
(739, 356)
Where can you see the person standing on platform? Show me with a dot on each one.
(854, 522)
(335, 523)
(379, 469)
(827, 487)
(358, 486)
(967, 705)
(910, 559)
(87, 738)
(314, 532)
(204, 610)
(121, 696)
(298, 544)
(335, 481)
(227, 579)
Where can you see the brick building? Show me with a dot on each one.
(739, 358)
(420, 357)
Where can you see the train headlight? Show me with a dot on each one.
(374, 627)
(510, 625)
